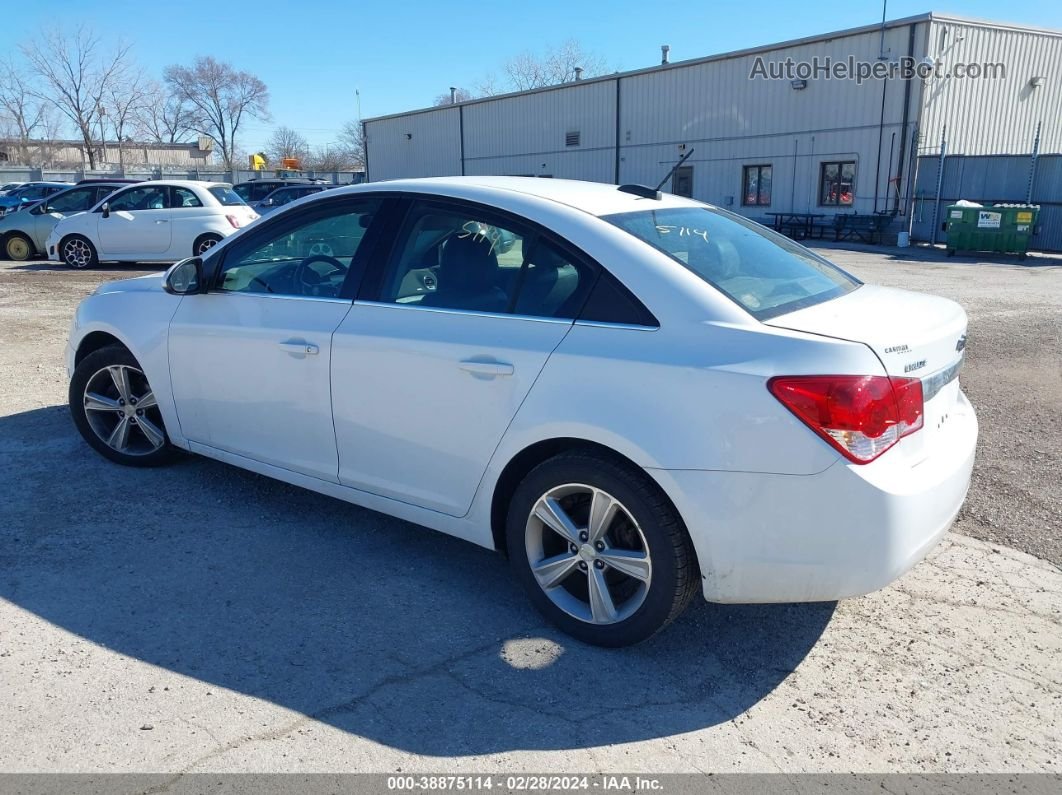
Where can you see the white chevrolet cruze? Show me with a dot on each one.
(632, 395)
(157, 221)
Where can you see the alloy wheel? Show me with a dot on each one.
(77, 253)
(205, 245)
(122, 411)
(588, 554)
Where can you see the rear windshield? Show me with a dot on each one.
(226, 196)
(767, 274)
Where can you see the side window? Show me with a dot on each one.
(308, 257)
(553, 284)
(454, 259)
(73, 201)
(152, 197)
(182, 197)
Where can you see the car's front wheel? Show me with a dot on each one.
(78, 252)
(599, 548)
(116, 410)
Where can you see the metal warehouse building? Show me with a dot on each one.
(802, 142)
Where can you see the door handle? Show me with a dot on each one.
(491, 369)
(162, 221)
(297, 348)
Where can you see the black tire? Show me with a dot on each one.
(140, 454)
(78, 252)
(18, 247)
(204, 243)
(674, 574)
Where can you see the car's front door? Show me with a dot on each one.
(435, 358)
(249, 360)
(137, 222)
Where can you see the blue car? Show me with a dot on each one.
(28, 194)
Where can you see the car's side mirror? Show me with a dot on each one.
(106, 209)
(185, 277)
(266, 202)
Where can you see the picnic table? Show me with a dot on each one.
(799, 225)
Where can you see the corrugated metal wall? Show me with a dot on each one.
(994, 116)
(991, 180)
(731, 121)
(529, 134)
(424, 144)
(712, 107)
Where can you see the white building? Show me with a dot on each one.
(805, 142)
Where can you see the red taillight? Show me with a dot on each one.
(862, 416)
(234, 221)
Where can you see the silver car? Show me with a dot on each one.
(23, 234)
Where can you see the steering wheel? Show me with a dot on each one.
(310, 280)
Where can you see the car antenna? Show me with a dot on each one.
(675, 168)
(645, 192)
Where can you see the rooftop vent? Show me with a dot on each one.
(578, 73)
(571, 138)
(664, 50)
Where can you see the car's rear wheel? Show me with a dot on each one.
(18, 247)
(78, 252)
(602, 552)
(204, 243)
(116, 411)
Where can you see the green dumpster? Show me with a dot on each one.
(1005, 228)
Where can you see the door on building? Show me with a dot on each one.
(682, 181)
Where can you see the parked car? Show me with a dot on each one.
(23, 235)
(157, 221)
(28, 194)
(287, 194)
(10, 186)
(254, 190)
(644, 397)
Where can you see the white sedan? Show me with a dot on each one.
(634, 396)
(158, 221)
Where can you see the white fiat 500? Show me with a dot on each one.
(634, 396)
(157, 221)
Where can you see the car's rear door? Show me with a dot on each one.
(249, 360)
(441, 348)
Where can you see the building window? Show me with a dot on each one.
(682, 181)
(757, 182)
(571, 138)
(838, 183)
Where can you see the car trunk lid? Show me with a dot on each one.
(914, 335)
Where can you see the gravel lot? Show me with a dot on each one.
(202, 618)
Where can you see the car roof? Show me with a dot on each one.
(596, 198)
(178, 183)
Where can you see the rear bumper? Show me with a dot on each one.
(843, 532)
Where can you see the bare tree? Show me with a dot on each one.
(332, 157)
(124, 99)
(459, 95)
(352, 141)
(221, 97)
(75, 74)
(164, 117)
(286, 142)
(23, 115)
(534, 70)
